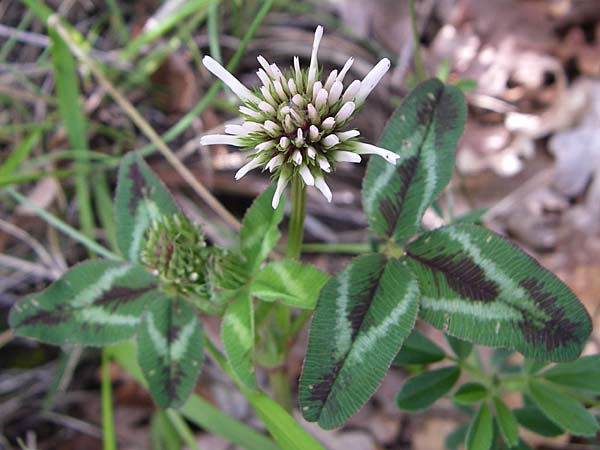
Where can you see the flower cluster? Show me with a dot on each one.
(296, 124)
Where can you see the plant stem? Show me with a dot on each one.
(420, 70)
(109, 439)
(338, 247)
(279, 381)
(296, 230)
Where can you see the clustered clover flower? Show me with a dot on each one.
(295, 124)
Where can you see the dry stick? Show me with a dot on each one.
(144, 126)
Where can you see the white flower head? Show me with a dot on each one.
(295, 123)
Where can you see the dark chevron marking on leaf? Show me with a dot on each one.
(554, 333)
(140, 199)
(424, 130)
(531, 310)
(170, 350)
(362, 317)
(98, 302)
(391, 208)
(462, 274)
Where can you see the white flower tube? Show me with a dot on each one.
(274, 163)
(281, 184)
(237, 130)
(223, 139)
(247, 168)
(345, 135)
(367, 149)
(322, 186)
(344, 156)
(312, 68)
(307, 176)
(345, 69)
(372, 79)
(232, 82)
(345, 112)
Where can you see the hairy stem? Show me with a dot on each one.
(109, 439)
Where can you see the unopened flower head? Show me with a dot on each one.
(296, 123)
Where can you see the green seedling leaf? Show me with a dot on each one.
(470, 393)
(583, 374)
(481, 430)
(477, 286)
(534, 420)
(362, 317)
(260, 229)
(170, 350)
(424, 130)
(507, 423)
(462, 349)
(422, 391)
(98, 302)
(418, 349)
(290, 282)
(237, 332)
(141, 198)
(561, 409)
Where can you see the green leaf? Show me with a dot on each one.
(362, 317)
(289, 282)
(583, 374)
(285, 430)
(455, 439)
(534, 420)
(141, 198)
(237, 332)
(470, 393)
(507, 423)
(260, 229)
(481, 430)
(532, 367)
(170, 350)
(424, 130)
(418, 349)
(561, 409)
(98, 302)
(477, 286)
(462, 349)
(422, 391)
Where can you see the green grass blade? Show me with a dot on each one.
(213, 31)
(19, 154)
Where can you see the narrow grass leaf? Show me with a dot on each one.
(170, 350)
(19, 154)
(98, 302)
(477, 286)
(424, 130)
(418, 349)
(141, 198)
(237, 332)
(290, 282)
(423, 390)
(563, 410)
(260, 229)
(362, 317)
(481, 430)
(583, 374)
(507, 423)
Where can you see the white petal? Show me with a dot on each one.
(253, 127)
(268, 145)
(296, 116)
(267, 95)
(247, 168)
(299, 138)
(277, 73)
(288, 124)
(264, 106)
(265, 65)
(335, 92)
(345, 135)
(344, 156)
(284, 142)
(313, 114)
(297, 157)
(345, 112)
(316, 88)
(330, 79)
(215, 139)
(274, 162)
(292, 86)
(330, 141)
(299, 100)
(367, 149)
(322, 186)
(251, 113)
(351, 91)
(271, 127)
(264, 78)
(311, 152)
(321, 99)
(281, 184)
(372, 79)
(232, 82)
(313, 133)
(280, 91)
(324, 164)
(312, 68)
(308, 178)
(236, 130)
(345, 69)
(328, 123)
(298, 72)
